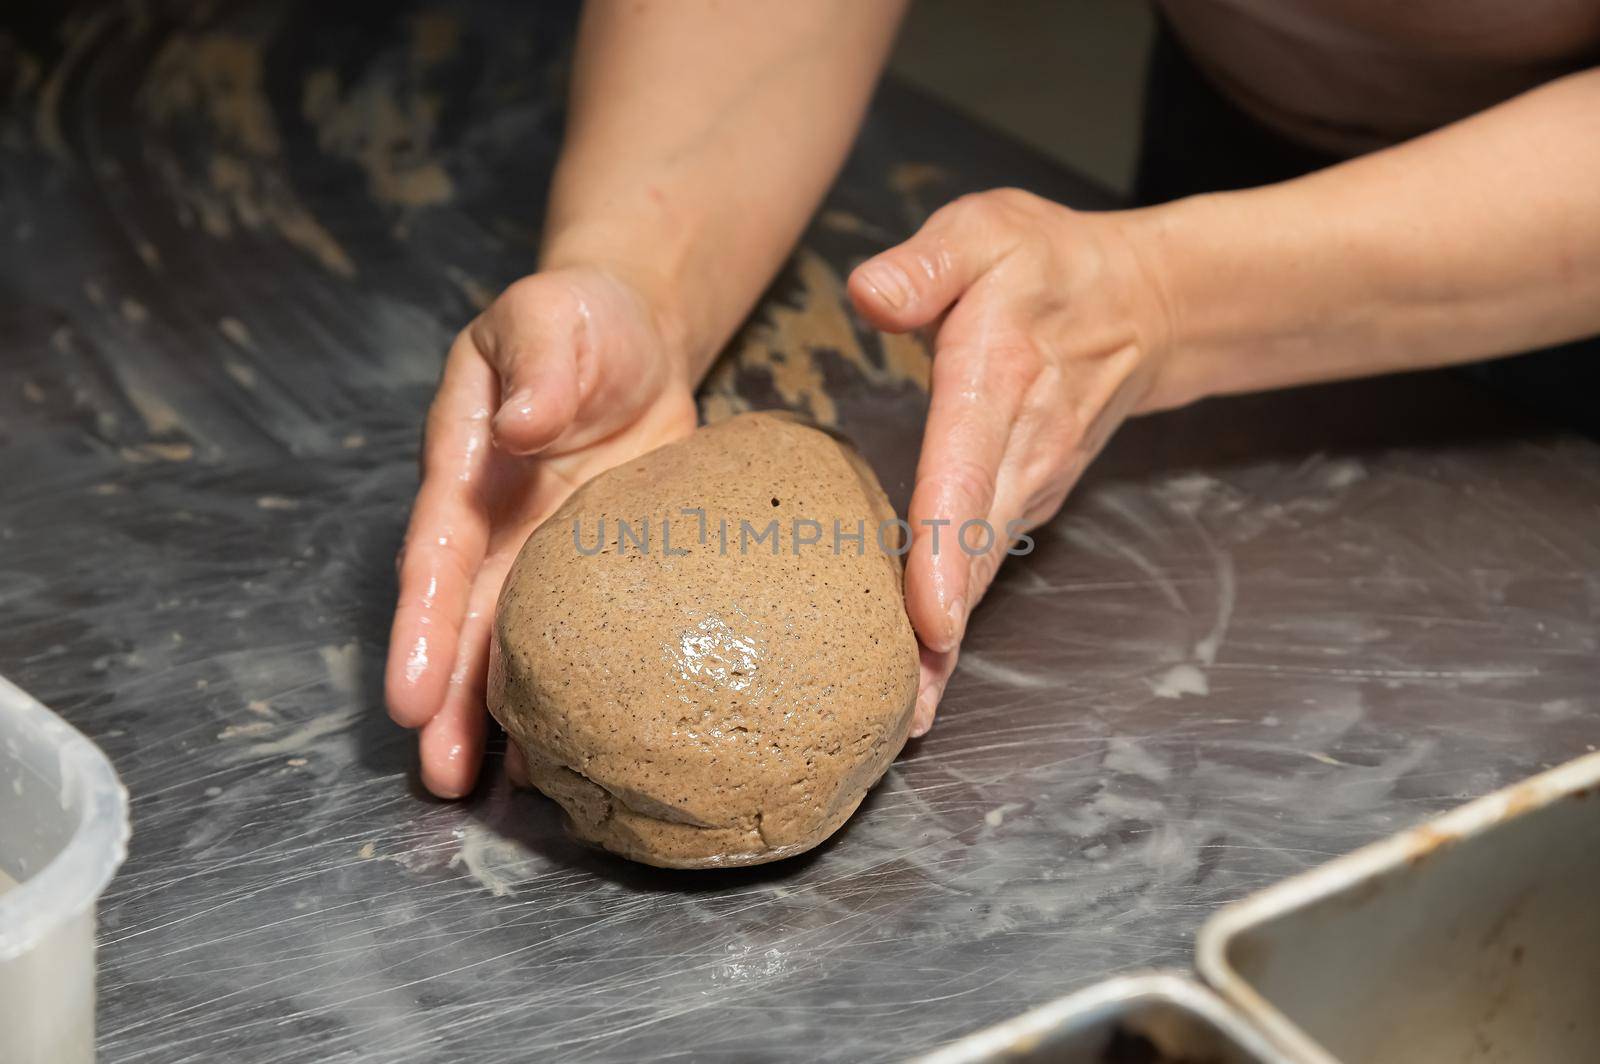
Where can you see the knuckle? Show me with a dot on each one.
(957, 368)
(1007, 366)
(423, 573)
(970, 202)
(480, 335)
(1020, 366)
(536, 300)
(923, 265)
(984, 566)
(966, 483)
(524, 291)
(985, 208)
(452, 448)
(1017, 200)
(1009, 207)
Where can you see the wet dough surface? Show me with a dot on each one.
(692, 704)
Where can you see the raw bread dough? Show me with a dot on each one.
(720, 706)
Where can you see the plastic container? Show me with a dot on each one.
(63, 832)
(1153, 1018)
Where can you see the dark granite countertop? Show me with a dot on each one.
(234, 244)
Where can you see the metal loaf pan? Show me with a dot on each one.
(1155, 1018)
(1472, 939)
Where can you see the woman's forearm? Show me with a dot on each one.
(700, 138)
(1480, 239)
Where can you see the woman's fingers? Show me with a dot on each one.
(452, 742)
(956, 265)
(981, 373)
(1043, 348)
(934, 673)
(451, 747)
(909, 286)
(532, 337)
(445, 541)
(516, 764)
(981, 567)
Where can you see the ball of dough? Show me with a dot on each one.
(703, 685)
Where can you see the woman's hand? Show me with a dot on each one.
(1052, 329)
(568, 373)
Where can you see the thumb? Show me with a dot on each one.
(909, 286)
(535, 355)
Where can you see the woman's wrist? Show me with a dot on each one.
(1140, 259)
(1229, 278)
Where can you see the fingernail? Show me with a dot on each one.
(922, 716)
(956, 620)
(519, 405)
(889, 281)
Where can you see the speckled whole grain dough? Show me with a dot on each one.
(690, 705)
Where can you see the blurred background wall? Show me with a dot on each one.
(1064, 75)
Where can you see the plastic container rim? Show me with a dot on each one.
(71, 882)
